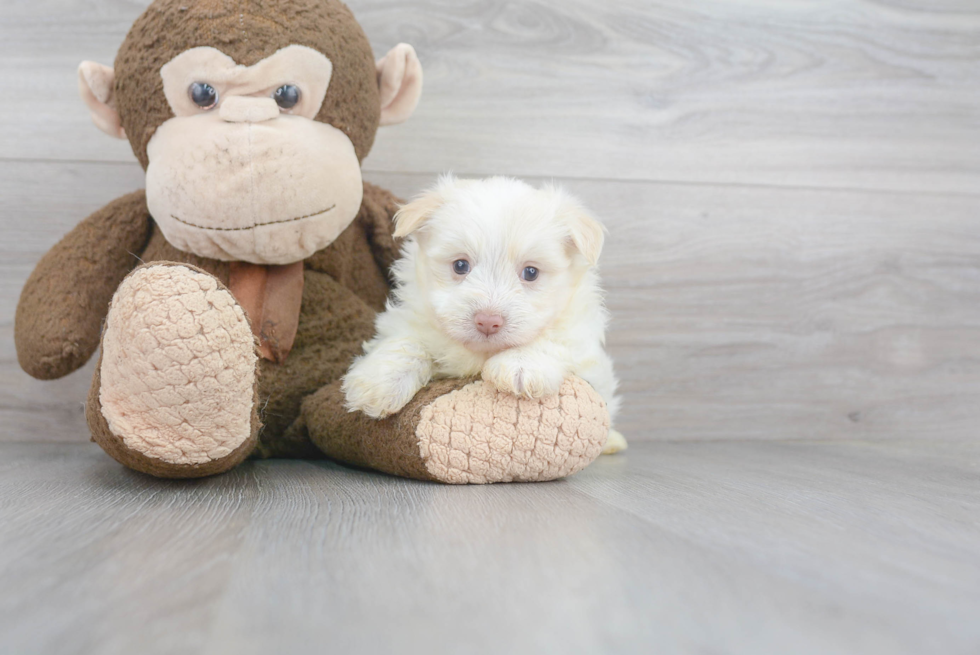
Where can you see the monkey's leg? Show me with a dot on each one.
(466, 432)
(174, 394)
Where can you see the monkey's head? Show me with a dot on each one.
(251, 118)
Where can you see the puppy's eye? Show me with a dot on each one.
(461, 267)
(286, 96)
(529, 274)
(203, 95)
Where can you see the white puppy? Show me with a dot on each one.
(496, 278)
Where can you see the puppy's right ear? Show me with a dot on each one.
(588, 234)
(96, 84)
(414, 215)
(585, 232)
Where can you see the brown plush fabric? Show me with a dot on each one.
(388, 445)
(247, 31)
(465, 432)
(332, 327)
(360, 257)
(61, 309)
(66, 299)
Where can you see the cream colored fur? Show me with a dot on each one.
(178, 366)
(554, 326)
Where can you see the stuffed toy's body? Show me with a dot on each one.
(231, 296)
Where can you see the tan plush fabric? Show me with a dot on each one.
(178, 366)
(477, 434)
(344, 286)
(277, 193)
(465, 432)
(296, 64)
(400, 83)
(389, 445)
(117, 449)
(96, 85)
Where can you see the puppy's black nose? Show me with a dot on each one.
(488, 323)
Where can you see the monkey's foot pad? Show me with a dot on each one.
(477, 434)
(178, 366)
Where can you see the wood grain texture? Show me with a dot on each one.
(710, 547)
(867, 94)
(738, 312)
(792, 190)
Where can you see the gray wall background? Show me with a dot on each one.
(792, 190)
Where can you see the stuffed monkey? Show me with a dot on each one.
(231, 295)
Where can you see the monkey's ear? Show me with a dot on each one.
(586, 232)
(96, 84)
(400, 83)
(414, 215)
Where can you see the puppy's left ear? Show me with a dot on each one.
(414, 215)
(586, 232)
(400, 83)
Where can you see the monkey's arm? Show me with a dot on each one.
(378, 210)
(66, 298)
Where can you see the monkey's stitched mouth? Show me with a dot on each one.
(252, 227)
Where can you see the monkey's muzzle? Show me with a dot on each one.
(265, 190)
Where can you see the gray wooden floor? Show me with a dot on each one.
(723, 547)
(793, 266)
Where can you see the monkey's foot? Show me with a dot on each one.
(465, 432)
(174, 394)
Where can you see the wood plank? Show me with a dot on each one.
(97, 558)
(738, 313)
(874, 95)
(709, 547)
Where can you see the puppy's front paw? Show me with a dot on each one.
(523, 376)
(380, 387)
(375, 397)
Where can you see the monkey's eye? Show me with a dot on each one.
(529, 274)
(287, 96)
(461, 267)
(203, 95)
